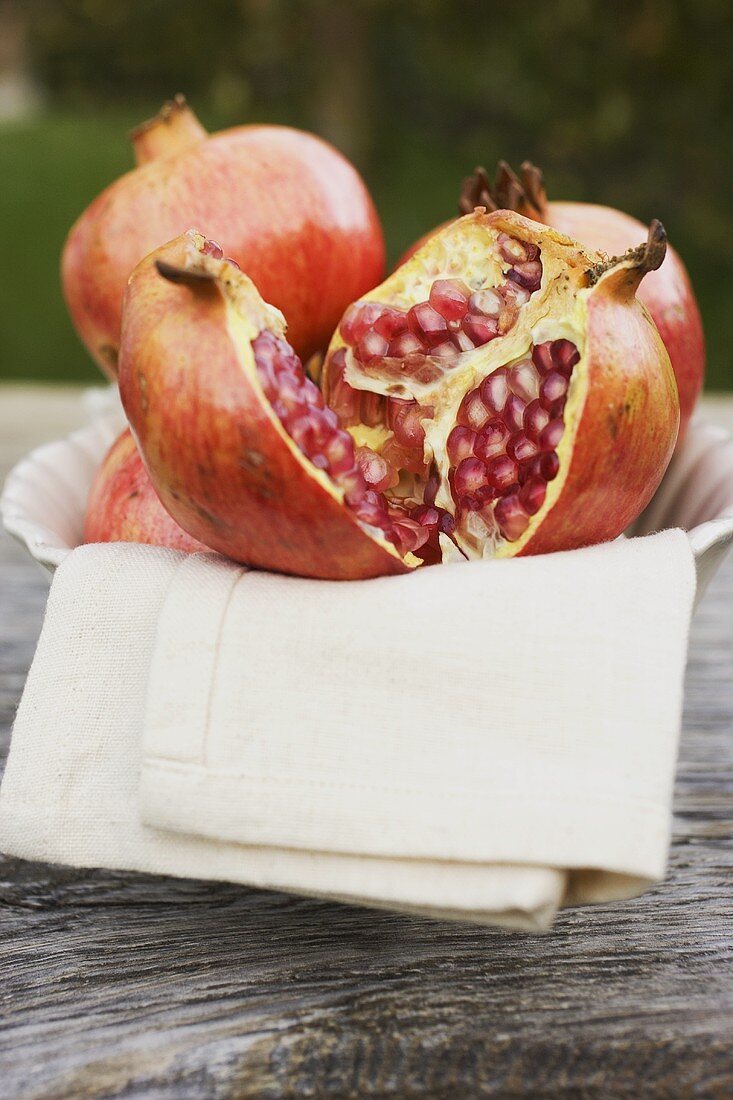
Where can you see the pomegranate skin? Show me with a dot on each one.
(284, 204)
(631, 408)
(123, 506)
(214, 449)
(667, 293)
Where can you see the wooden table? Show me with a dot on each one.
(116, 984)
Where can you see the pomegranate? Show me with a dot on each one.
(123, 506)
(515, 389)
(282, 203)
(237, 440)
(667, 292)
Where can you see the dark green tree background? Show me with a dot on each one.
(623, 102)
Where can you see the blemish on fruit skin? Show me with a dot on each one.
(251, 460)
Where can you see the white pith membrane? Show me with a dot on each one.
(480, 436)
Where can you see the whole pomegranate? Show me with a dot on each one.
(282, 203)
(123, 506)
(667, 292)
(502, 393)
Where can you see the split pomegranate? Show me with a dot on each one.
(238, 441)
(284, 204)
(123, 506)
(667, 292)
(512, 386)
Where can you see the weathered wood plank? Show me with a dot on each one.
(127, 985)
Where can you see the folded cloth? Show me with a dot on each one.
(487, 741)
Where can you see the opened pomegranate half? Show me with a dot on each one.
(507, 389)
(503, 393)
(284, 204)
(238, 441)
(123, 506)
(666, 292)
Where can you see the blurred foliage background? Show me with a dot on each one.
(626, 103)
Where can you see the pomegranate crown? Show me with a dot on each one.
(524, 193)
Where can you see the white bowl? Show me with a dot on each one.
(44, 497)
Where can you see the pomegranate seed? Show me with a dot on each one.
(470, 476)
(409, 536)
(376, 472)
(391, 322)
(372, 409)
(320, 461)
(370, 347)
(211, 248)
(290, 393)
(512, 250)
(446, 523)
(549, 465)
(340, 453)
(512, 517)
(311, 394)
(432, 485)
(425, 515)
(449, 297)
(405, 419)
(520, 447)
(523, 380)
(407, 343)
(553, 387)
(488, 303)
(502, 472)
(542, 357)
(491, 440)
(445, 350)
(481, 330)
(353, 484)
(473, 412)
(514, 412)
(358, 319)
(535, 419)
(462, 341)
(551, 435)
(566, 355)
(527, 275)
(427, 323)
(232, 262)
(532, 494)
(460, 444)
(495, 390)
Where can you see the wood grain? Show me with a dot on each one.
(120, 985)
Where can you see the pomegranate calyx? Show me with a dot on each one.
(174, 128)
(525, 196)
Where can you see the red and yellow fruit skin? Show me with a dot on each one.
(218, 458)
(667, 293)
(631, 408)
(284, 204)
(123, 506)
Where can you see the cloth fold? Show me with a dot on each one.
(487, 741)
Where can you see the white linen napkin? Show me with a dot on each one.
(486, 741)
